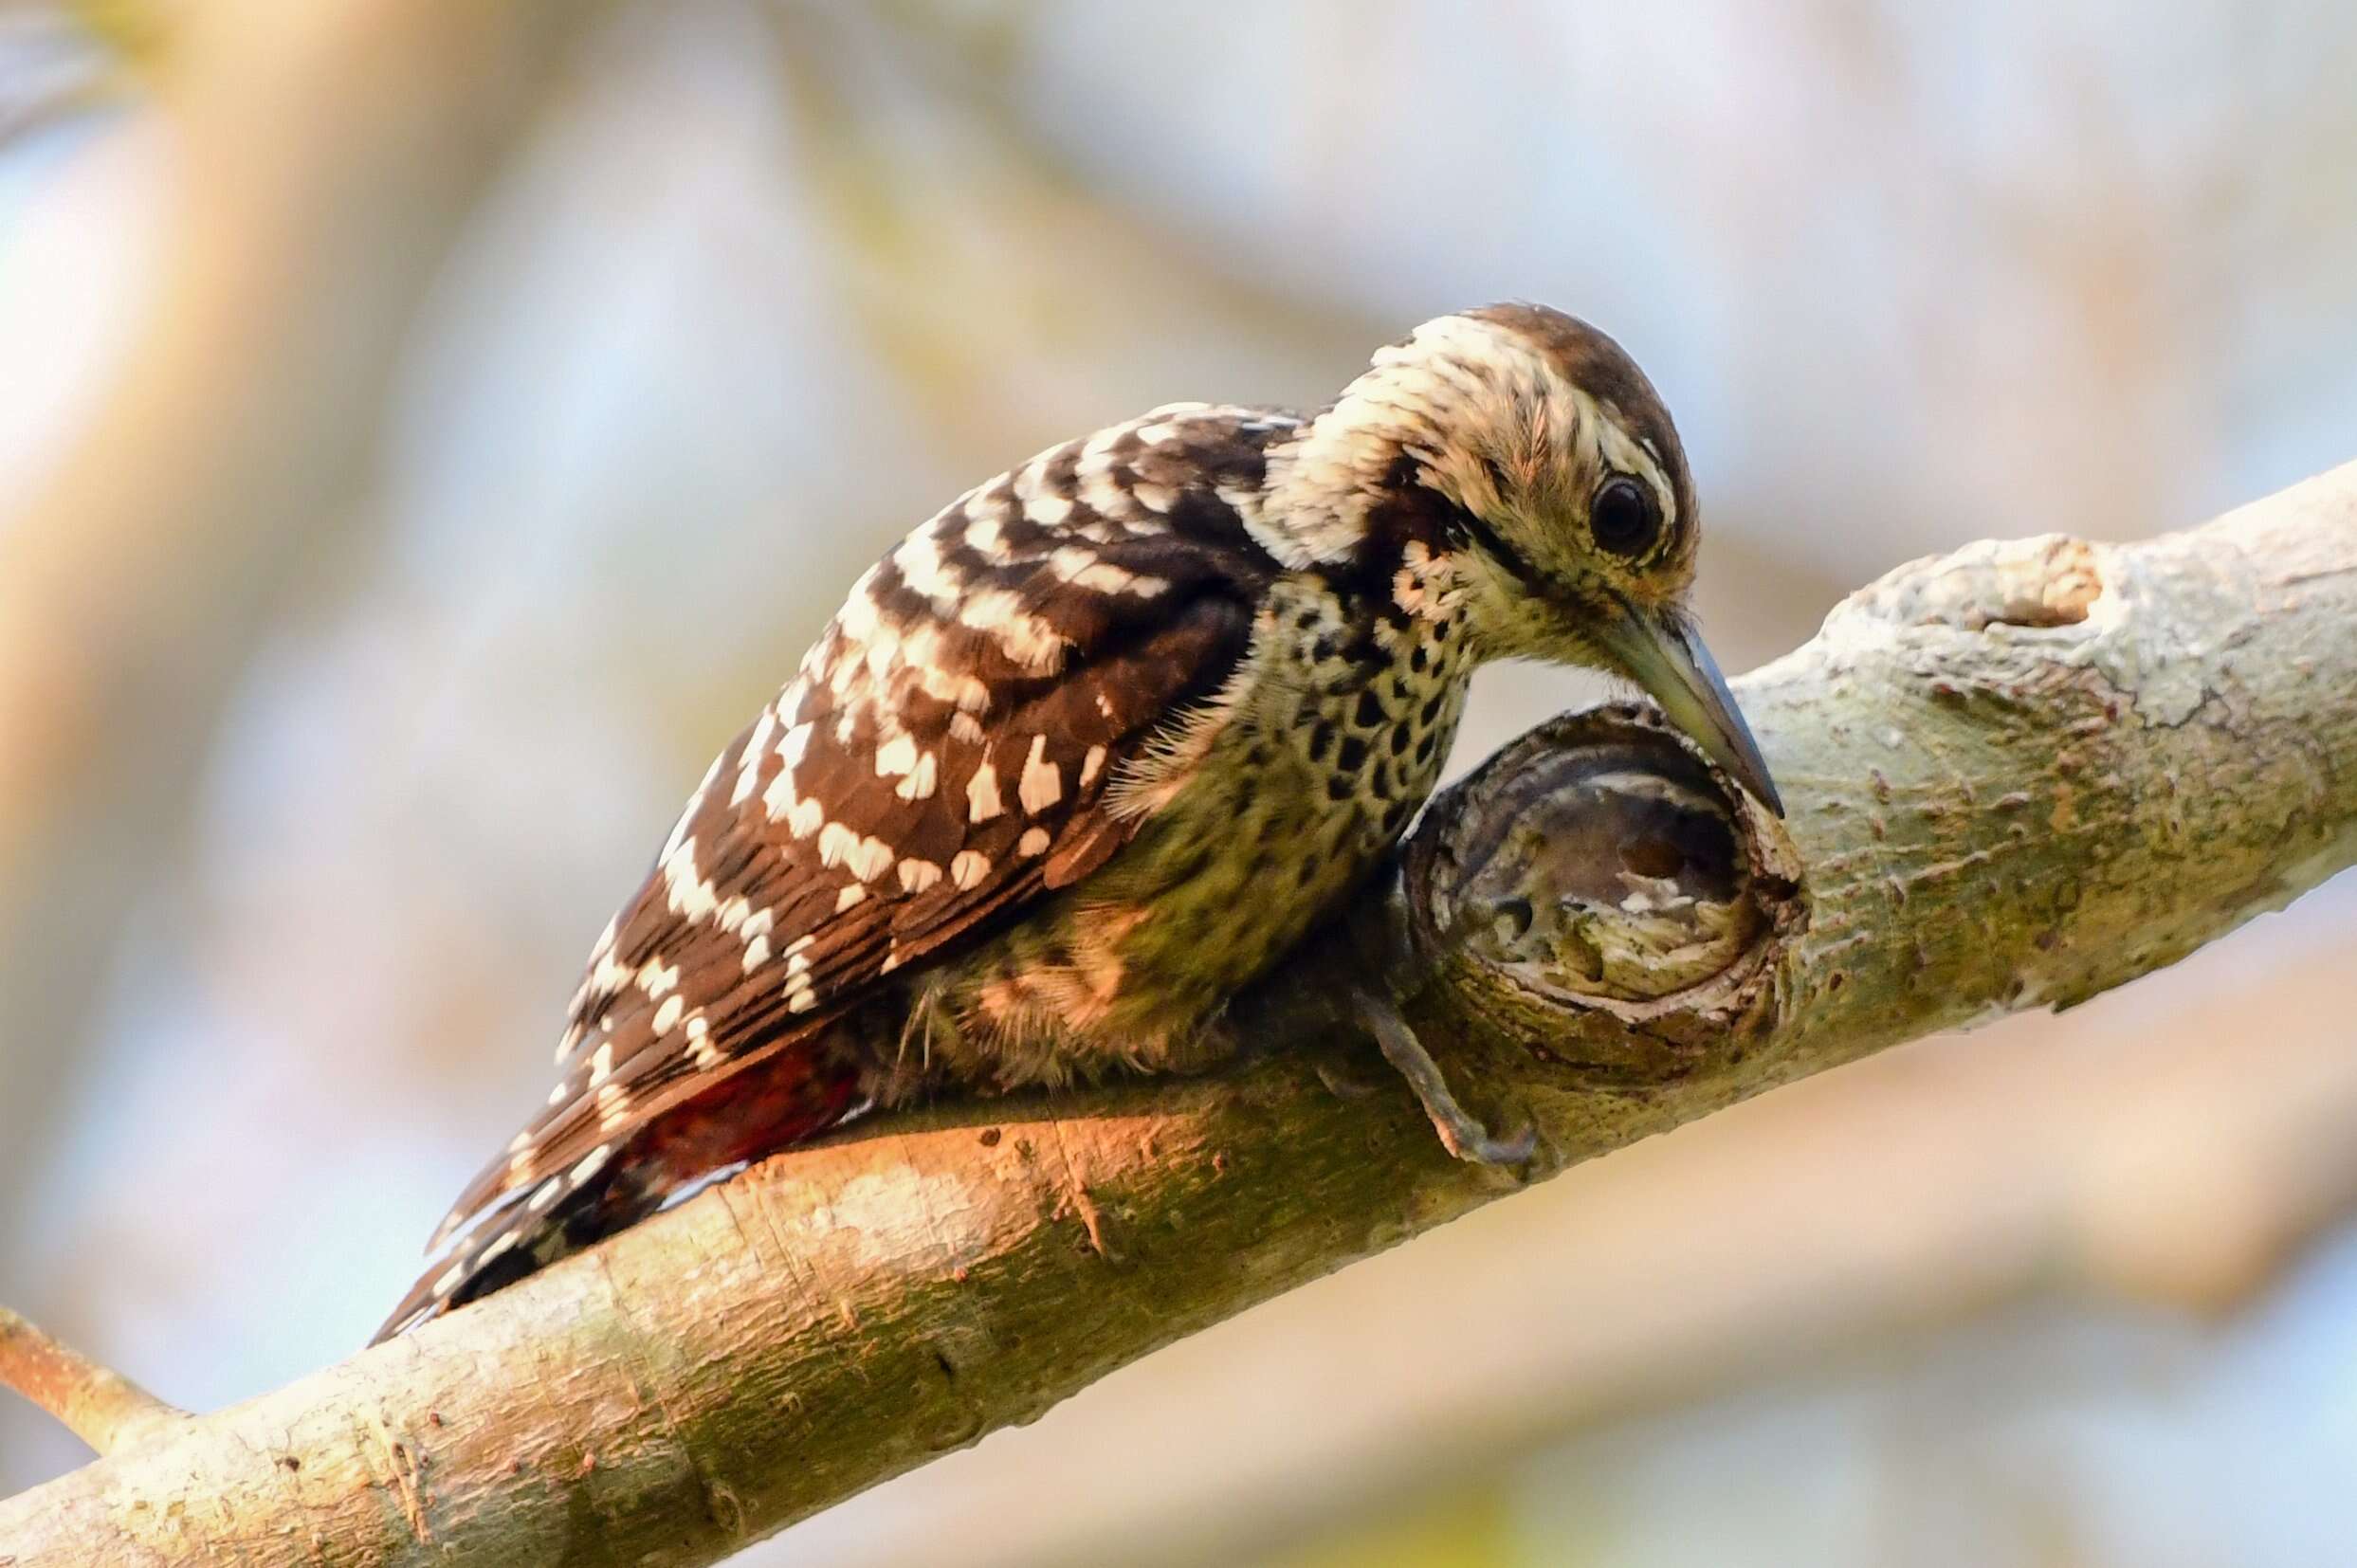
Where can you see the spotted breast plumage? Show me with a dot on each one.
(1095, 746)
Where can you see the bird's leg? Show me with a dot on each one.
(1461, 1133)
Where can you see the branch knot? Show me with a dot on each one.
(1605, 897)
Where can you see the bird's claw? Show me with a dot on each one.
(1462, 1132)
(1469, 1141)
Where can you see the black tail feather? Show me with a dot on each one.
(533, 1229)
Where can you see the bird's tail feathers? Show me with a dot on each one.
(529, 1231)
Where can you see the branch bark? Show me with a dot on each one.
(99, 1405)
(2018, 776)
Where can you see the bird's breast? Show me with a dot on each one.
(1308, 768)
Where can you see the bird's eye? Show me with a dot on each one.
(1623, 517)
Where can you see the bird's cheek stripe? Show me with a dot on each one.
(1504, 553)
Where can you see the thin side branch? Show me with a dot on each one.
(97, 1404)
(2017, 777)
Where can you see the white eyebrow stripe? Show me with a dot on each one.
(1616, 446)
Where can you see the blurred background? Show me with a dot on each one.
(429, 428)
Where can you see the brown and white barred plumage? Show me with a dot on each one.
(1081, 757)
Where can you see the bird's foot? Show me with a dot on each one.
(1461, 1133)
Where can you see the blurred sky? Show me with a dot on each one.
(763, 284)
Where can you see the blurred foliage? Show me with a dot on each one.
(138, 30)
(1469, 1527)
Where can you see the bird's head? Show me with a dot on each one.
(1564, 498)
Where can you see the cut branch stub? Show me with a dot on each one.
(1600, 894)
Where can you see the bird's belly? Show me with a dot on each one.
(1298, 800)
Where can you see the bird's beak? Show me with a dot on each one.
(1677, 672)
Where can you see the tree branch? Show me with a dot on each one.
(101, 1407)
(2018, 776)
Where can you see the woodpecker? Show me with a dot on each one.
(1092, 749)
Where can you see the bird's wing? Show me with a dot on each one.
(943, 761)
